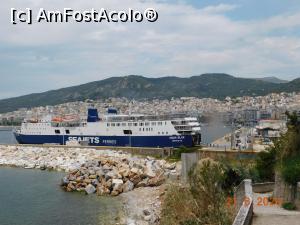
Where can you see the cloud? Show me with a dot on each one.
(186, 40)
(221, 8)
(279, 22)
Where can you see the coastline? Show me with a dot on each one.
(141, 205)
(7, 128)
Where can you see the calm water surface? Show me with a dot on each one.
(212, 131)
(6, 136)
(34, 197)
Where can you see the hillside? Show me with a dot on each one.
(139, 87)
(273, 80)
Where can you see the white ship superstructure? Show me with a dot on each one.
(113, 130)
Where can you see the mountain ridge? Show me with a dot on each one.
(214, 85)
(273, 79)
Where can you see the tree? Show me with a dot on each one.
(284, 155)
(289, 153)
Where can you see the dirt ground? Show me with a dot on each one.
(140, 199)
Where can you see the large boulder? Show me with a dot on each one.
(90, 189)
(87, 181)
(114, 193)
(107, 184)
(93, 176)
(143, 183)
(78, 173)
(135, 179)
(134, 170)
(128, 186)
(83, 170)
(107, 167)
(92, 172)
(95, 182)
(65, 181)
(156, 181)
(102, 190)
(79, 179)
(110, 175)
(100, 172)
(117, 185)
(170, 166)
(124, 172)
(71, 187)
(149, 172)
(72, 177)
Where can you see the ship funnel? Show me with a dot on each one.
(92, 115)
(112, 111)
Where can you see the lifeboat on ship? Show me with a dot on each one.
(57, 119)
(70, 118)
(65, 119)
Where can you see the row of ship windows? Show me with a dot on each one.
(151, 129)
(56, 131)
(146, 129)
(143, 129)
(34, 128)
(125, 131)
(37, 125)
(135, 124)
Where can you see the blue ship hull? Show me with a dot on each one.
(132, 141)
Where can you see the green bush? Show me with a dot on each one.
(288, 206)
(291, 170)
(265, 164)
(235, 172)
(232, 177)
(254, 174)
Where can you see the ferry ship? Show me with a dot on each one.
(113, 129)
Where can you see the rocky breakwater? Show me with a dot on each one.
(115, 175)
(56, 158)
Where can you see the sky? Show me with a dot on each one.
(244, 38)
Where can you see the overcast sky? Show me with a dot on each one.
(245, 38)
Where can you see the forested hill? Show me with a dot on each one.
(139, 87)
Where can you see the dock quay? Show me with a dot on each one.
(159, 152)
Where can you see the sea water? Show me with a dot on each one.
(34, 197)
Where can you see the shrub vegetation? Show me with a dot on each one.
(203, 202)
